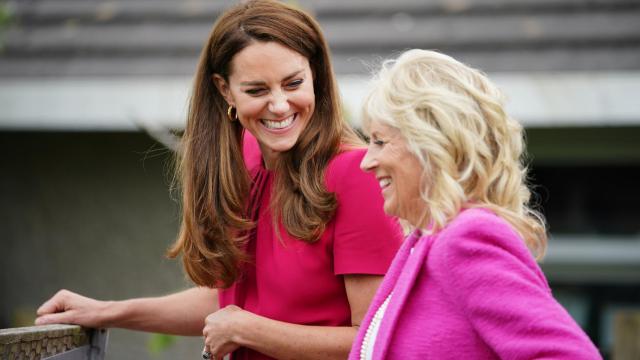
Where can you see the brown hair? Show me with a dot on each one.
(214, 179)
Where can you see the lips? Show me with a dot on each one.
(279, 124)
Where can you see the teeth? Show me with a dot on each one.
(384, 182)
(278, 124)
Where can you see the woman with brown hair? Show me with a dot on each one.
(281, 231)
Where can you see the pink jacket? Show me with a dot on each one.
(471, 291)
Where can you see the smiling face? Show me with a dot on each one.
(271, 87)
(398, 171)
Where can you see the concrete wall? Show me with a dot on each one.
(90, 212)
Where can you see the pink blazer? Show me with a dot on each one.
(471, 291)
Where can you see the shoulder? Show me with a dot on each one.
(478, 221)
(347, 160)
(481, 250)
(480, 247)
(478, 232)
(344, 169)
(365, 239)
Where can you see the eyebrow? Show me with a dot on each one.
(260, 82)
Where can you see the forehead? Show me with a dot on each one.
(380, 128)
(266, 60)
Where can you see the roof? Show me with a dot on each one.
(164, 37)
(100, 65)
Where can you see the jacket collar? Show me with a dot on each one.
(405, 270)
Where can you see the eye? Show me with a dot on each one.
(295, 84)
(375, 141)
(255, 91)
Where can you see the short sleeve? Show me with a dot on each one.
(365, 239)
(491, 276)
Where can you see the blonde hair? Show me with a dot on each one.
(454, 121)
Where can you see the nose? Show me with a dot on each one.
(368, 162)
(279, 103)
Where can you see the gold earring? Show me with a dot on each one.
(235, 113)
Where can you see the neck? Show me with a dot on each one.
(268, 157)
(418, 215)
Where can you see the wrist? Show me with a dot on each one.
(111, 313)
(244, 322)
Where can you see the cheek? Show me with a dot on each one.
(405, 187)
(305, 98)
(410, 175)
(249, 108)
(418, 181)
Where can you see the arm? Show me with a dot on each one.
(182, 313)
(364, 242)
(233, 327)
(490, 275)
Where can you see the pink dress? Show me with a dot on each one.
(301, 283)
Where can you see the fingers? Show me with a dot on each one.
(50, 306)
(211, 349)
(55, 310)
(57, 318)
(215, 350)
(206, 354)
(54, 304)
(67, 307)
(218, 331)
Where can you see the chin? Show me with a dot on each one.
(390, 210)
(284, 145)
(282, 148)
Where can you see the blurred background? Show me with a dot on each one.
(90, 91)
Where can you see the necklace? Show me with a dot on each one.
(366, 351)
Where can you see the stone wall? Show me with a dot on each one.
(39, 342)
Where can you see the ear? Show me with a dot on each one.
(223, 88)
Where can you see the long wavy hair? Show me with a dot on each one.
(471, 151)
(214, 180)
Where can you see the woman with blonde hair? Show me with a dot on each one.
(465, 284)
(281, 231)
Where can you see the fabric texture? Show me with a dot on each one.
(293, 281)
(471, 291)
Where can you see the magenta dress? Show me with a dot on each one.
(301, 283)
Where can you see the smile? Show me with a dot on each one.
(384, 182)
(279, 124)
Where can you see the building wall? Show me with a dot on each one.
(91, 210)
(92, 213)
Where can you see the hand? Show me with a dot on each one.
(221, 331)
(66, 307)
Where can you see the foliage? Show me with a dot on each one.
(23, 316)
(6, 17)
(158, 343)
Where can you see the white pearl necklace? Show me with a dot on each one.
(370, 335)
